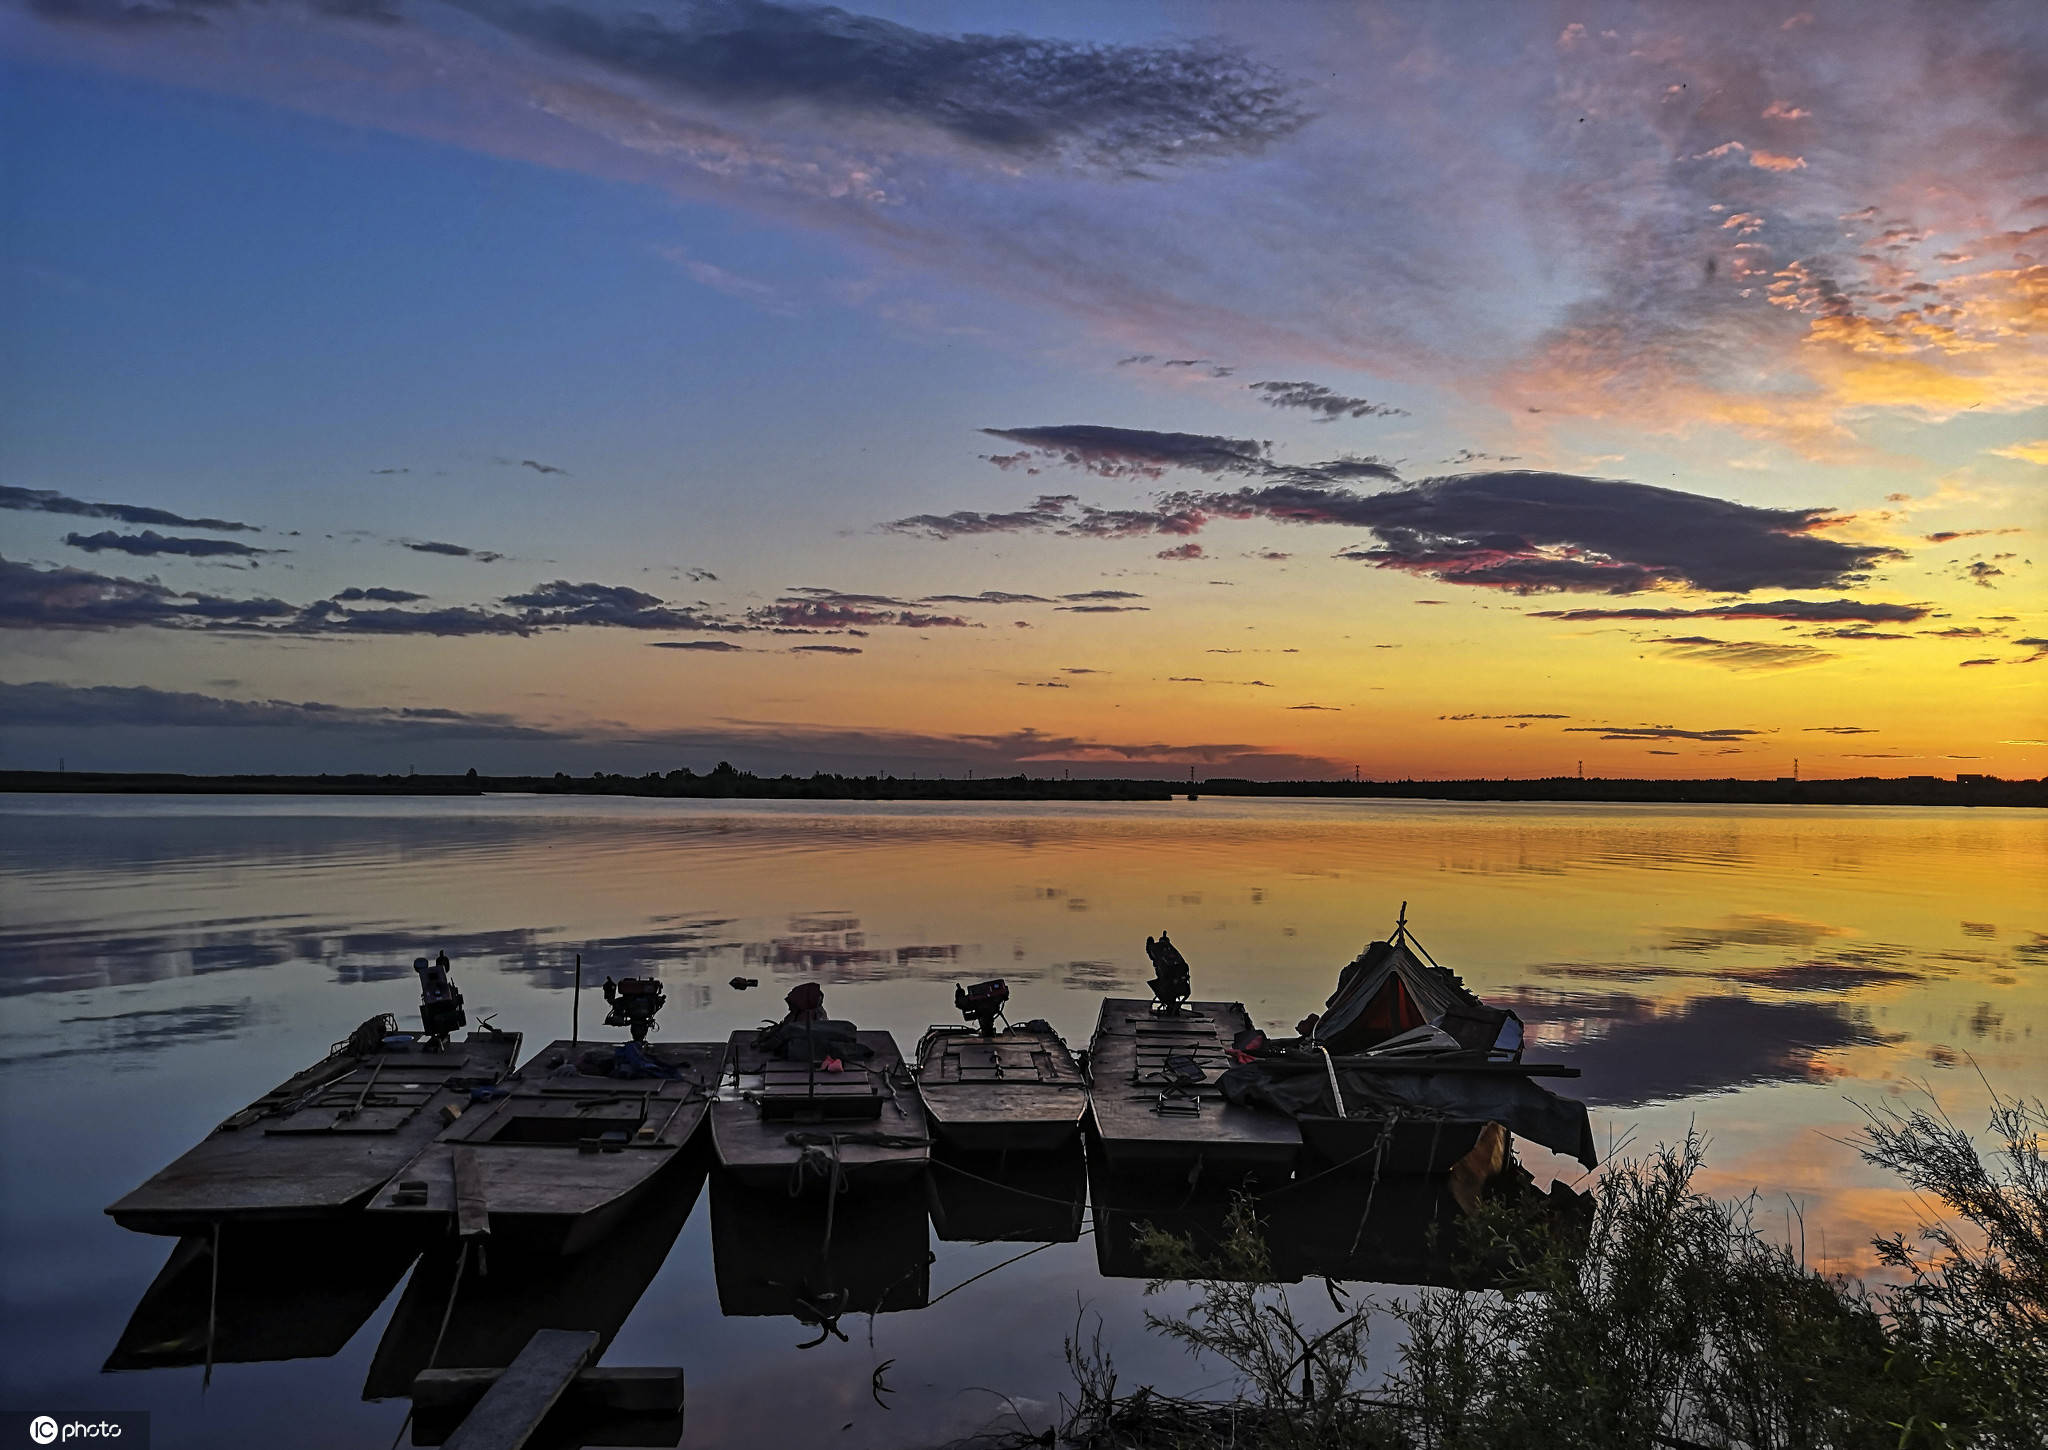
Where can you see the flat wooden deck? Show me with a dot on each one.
(564, 1147)
(1019, 1090)
(1186, 1132)
(320, 1142)
(768, 1100)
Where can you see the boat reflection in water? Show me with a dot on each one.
(481, 1307)
(270, 1299)
(815, 1258)
(1009, 1197)
(1347, 1224)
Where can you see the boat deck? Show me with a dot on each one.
(565, 1146)
(1144, 1123)
(1019, 1090)
(321, 1141)
(866, 1114)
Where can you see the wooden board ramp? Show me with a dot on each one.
(549, 1395)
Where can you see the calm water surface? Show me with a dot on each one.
(163, 961)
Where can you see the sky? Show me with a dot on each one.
(1278, 391)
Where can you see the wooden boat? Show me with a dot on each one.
(988, 1091)
(324, 1140)
(1405, 1069)
(803, 1126)
(552, 1166)
(1153, 1100)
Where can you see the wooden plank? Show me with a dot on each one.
(642, 1389)
(512, 1408)
(472, 1209)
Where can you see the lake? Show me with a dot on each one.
(1754, 972)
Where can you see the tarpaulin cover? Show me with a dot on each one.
(820, 1039)
(1301, 1088)
(1387, 991)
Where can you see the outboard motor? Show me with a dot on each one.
(1170, 988)
(440, 1001)
(982, 1003)
(634, 1001)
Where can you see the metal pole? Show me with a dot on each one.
(576, 1001)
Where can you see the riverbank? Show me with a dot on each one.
(728, 784)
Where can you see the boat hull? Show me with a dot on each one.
(1373, 1144)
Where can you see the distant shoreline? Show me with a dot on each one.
(727, 784)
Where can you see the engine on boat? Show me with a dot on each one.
(634, 1002)
(1172, 984)
(441, 1011)
(982, 1003)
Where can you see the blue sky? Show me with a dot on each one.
(1606, 296)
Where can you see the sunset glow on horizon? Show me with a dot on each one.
(1276, 391)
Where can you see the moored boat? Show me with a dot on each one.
(1017, 1089)
(1404, 1069)
(584, 1131)
(323, 1141)
(815, 1104)
(1154, 1103)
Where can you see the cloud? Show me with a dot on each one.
(377, 594)
(1506, 717)
(46, 501)
(452, 551)
(1986, 661)
(1181, 552)
(126, 729)
(2034, 451)
(76, 707)
(1337, 708)
(560, 603)
(717, 646)
(824, 649)
(149, 543)
(1521, 531)
(539, 467)
(1745, 655)
(1719, 734)
(1855, 632)
(1103, 608)
(824, 609)
(1136, 452)
(1838, 730)
(1527, 532)
(1949, 535)
(700, 576)
(66, 598)
(987, 596)
(1016, 98)
(32, 598)
(1093, 594)
(1805, 610)
(1317, 399)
